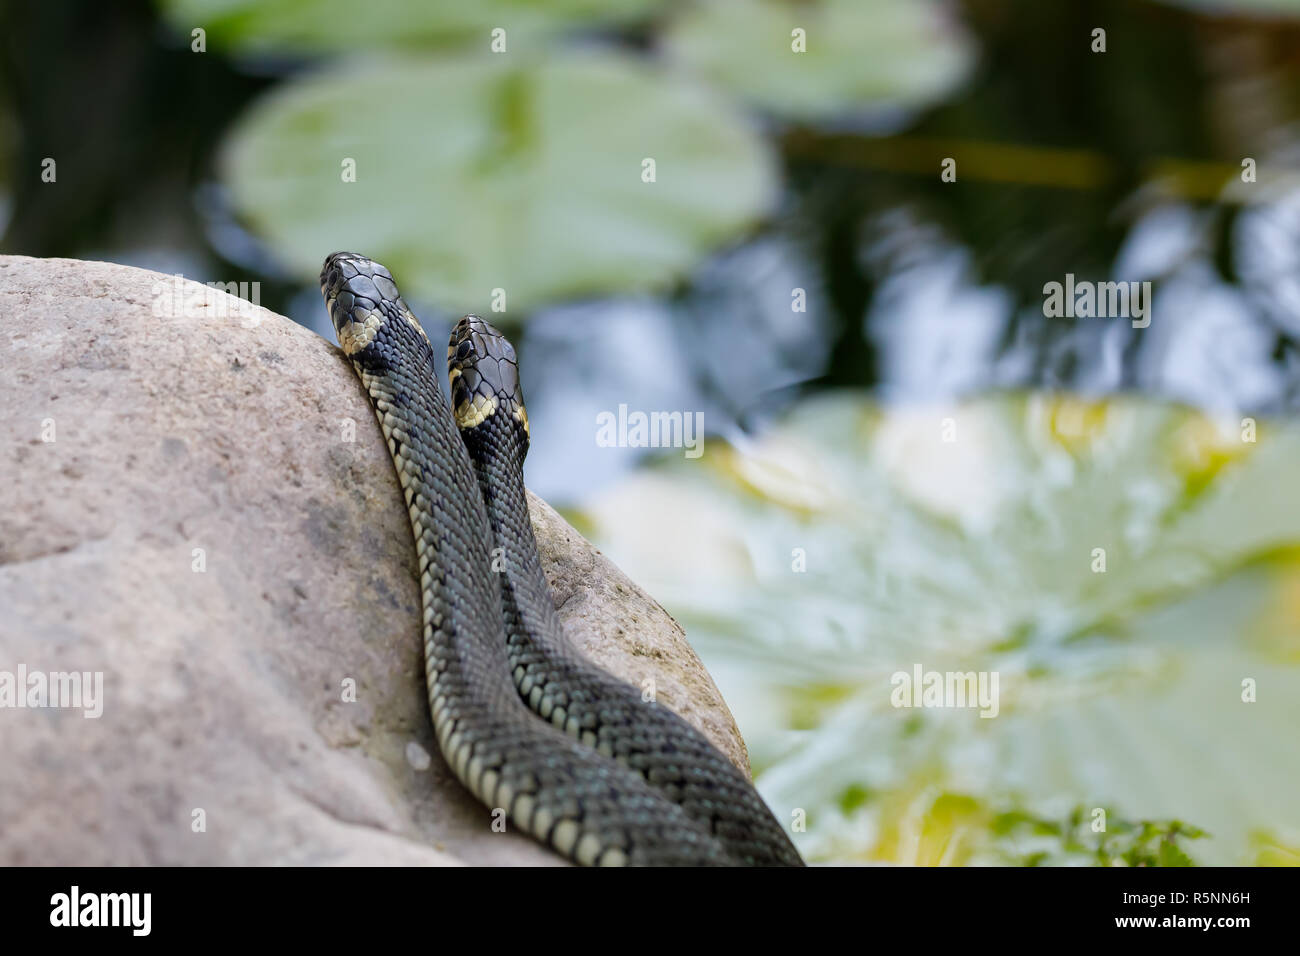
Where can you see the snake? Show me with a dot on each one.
(581, 761)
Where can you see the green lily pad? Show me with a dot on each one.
(858, 54)
(311, 26)
(1119, 689)
(478, 173)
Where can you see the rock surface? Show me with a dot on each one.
(199, 505)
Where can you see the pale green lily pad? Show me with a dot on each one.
(310, 26)
(860, 55)
(480, 173)
(1119, 689)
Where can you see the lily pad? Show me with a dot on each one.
(1124, 678)
(859, 55)
(311, 26)
(480, 173)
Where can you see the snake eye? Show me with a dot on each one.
(463, 350)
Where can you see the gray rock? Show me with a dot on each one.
(199, 505)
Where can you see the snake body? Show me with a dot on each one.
(572, 755)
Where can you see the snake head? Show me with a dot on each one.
(360, 295)
(484, 376)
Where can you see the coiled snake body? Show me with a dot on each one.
(573, 755)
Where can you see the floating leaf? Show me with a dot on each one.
(279, 26)
(1119, 688)
(481, 173)
(859, 55)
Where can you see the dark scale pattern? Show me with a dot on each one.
(583, 804)
(556, 681)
